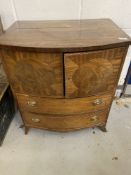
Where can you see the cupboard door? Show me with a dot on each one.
(33, 73)
(90, 73)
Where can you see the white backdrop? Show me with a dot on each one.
(118, 10)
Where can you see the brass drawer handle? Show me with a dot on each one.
(98, 102)
(31, 103)
(36, 120)
(94, 118)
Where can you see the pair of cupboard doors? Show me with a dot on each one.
(63, 75)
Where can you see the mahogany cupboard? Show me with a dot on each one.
(63, 74)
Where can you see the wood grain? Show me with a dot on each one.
(64, 35)
(64, 73)
(64, 123)
(34, 73)
(90, 73)
(63, 106)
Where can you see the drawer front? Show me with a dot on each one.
(63, 106)
(90, 73)
(63, 123)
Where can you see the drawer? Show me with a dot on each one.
(64, 123)
(63, 106)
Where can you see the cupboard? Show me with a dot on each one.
(64, 74)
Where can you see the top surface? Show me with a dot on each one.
(64, 34)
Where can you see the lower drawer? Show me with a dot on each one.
(64, 123)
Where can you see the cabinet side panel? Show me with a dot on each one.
(33, 73)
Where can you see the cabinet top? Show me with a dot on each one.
(65, 35)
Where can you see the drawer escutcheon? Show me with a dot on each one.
(36, 120)
(93, 118)
(98, 102)
(31, 103)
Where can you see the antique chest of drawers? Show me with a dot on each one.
(63, 74)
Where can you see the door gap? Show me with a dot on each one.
(63, 62)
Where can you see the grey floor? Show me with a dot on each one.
(77, 153)
(128, 89)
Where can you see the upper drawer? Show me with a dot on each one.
(90, 73)
(34, 73)
(63, 106)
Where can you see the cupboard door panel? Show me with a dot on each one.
(90, 73)
(35, 73)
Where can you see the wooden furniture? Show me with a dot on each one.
(63, 74)
(6, 101)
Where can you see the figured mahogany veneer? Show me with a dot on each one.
(90, 73)
(39, 74)
(63, 74)
(64, 123)
(63, 106)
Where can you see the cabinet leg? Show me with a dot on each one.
(103, 128)
(26, 130)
